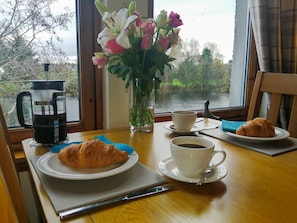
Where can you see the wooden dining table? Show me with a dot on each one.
(257, 187)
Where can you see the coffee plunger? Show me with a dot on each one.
(48, 111)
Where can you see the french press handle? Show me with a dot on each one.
(19, 107)
(54, 102)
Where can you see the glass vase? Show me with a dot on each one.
(142, 102)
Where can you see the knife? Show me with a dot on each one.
(128, 197)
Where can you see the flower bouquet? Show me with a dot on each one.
(138, 49)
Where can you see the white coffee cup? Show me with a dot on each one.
(192, 155)
(183, 120)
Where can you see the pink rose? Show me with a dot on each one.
(99, 59)
(148, 26)
(138, 21)
(112, 47)
(146, 42)
(174, 20)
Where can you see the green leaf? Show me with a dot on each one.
(114, 69)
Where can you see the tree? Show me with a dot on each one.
(186, 72)
(205, 70)
(190, 49)
(23, 26)
(213, 47)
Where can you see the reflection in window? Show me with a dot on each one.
(206, 66)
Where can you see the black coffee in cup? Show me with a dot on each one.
(190, 145)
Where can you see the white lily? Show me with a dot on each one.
(116, 28)
(174, 50)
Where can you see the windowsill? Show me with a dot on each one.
(236, 113)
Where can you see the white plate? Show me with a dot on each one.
(279, 134)
(168, 168)
(50, 165)
(170, 127)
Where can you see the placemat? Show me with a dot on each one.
(69, 194)
(271, 148)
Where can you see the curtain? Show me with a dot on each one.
(274, 24)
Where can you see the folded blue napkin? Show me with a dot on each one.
(120, 146)
(231, 126)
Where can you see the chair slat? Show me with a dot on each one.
(7, 211)
(10, 174)
(256, 98)
(275, 104)
(293, 119)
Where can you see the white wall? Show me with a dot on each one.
(238, 79)
(115, 96)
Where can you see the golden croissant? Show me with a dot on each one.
(258, 127)
(91, 154)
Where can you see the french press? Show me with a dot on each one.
(48, 111)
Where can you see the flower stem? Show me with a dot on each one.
(143, 61)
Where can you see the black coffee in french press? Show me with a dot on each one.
(48, 105)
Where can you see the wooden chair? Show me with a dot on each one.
(10, 175)
(277, 85)
(7, 211)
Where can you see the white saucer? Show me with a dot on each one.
(50, 165)
(170, 127)
(168, 168)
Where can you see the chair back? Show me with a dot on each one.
(10, 175)
(277, 85)
(7, 214)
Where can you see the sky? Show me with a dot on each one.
(204, 20)
(68, 36)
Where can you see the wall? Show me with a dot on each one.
(115, 96)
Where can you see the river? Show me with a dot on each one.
(190, 101)
(172, 101)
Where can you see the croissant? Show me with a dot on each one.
(258, 127)
(91, 154)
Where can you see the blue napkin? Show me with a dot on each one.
(57, 148)
(231, 126)
(120, 146)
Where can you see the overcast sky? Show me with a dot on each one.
(204, 20)
(68, 36)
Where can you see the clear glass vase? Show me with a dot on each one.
(142, 102)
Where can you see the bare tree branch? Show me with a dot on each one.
(28, 33)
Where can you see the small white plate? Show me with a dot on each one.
(279, 134)
(168, 168)
(50, 165)
(196, 128)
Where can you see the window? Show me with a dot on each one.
(91, 82)
(35, 50)
(212, 64)
(90, 116)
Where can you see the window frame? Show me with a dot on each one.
(231, 113)
(90, 78)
